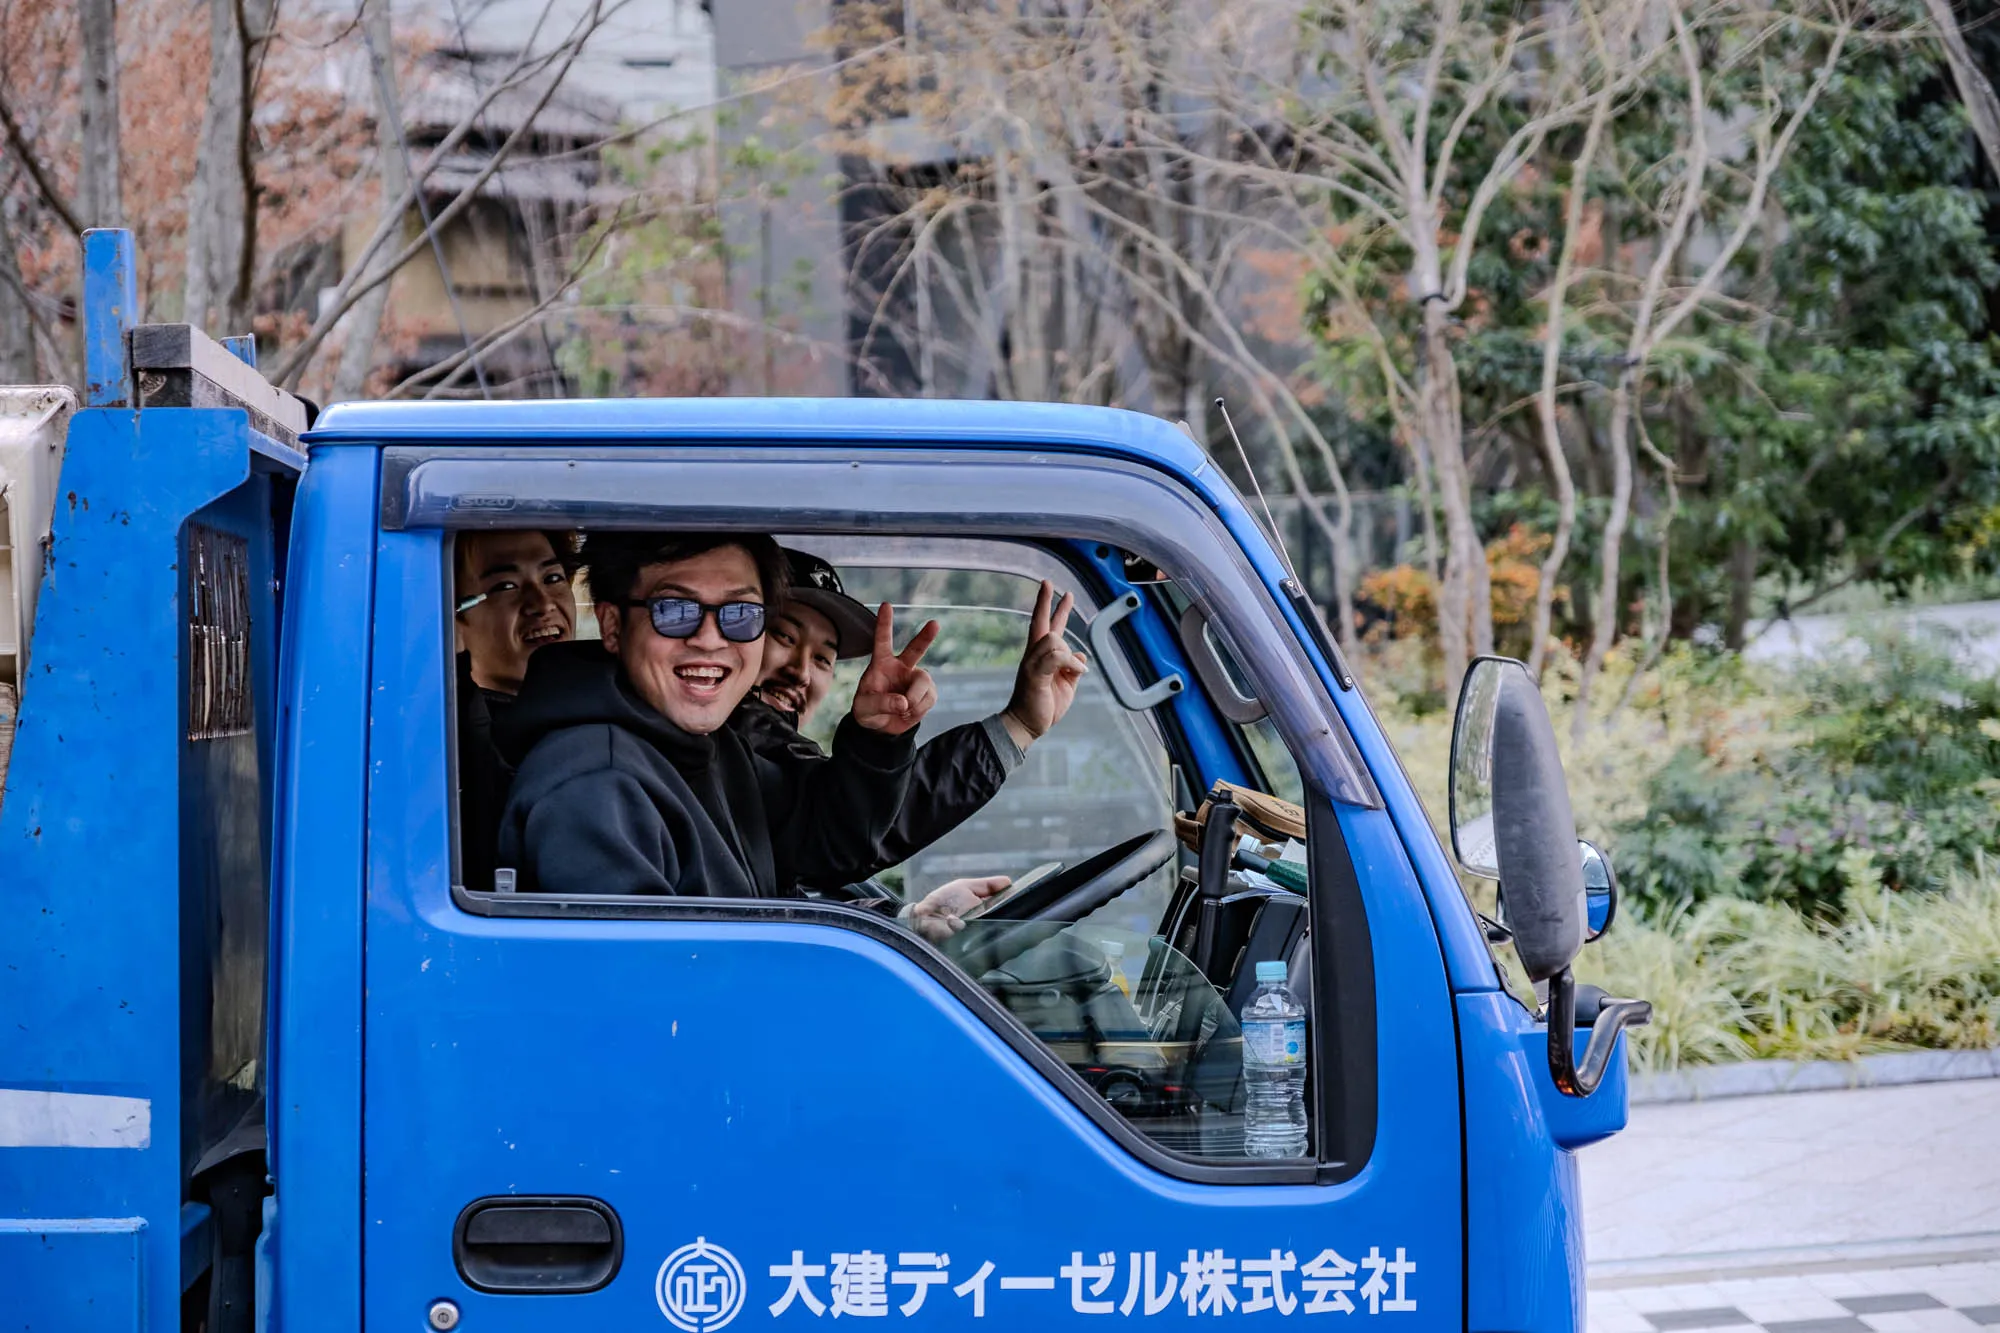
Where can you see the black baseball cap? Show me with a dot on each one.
(815, 583)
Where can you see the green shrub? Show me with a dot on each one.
(1810, 860)
(1731, 979)
(1906, 723)
(1890, 757)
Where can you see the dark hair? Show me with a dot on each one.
(612, 560)
(563, 544)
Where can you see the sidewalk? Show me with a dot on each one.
(1824, 1212)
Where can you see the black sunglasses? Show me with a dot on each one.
(681, 617)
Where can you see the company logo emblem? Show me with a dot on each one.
(700, 1287)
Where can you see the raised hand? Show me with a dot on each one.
(894, 692)
(1045, 684)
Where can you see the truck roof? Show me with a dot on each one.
(804, 421)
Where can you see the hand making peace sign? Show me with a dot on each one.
(894, 692)
(1045, 685)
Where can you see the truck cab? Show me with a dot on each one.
(272, 1055)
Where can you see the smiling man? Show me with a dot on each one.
(629, 781)
(511, 595)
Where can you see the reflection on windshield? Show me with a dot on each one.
(1134, 1017)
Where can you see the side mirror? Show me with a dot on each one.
(1510, 813)
(1511, 821)
(1600, 891)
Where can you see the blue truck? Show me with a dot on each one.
(268, 1061)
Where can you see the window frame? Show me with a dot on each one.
(711, 488)
(919, 493)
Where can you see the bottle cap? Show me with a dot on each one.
(1271, 971)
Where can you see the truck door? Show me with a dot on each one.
(626, 1112)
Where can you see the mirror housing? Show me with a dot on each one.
(1600, 891)
(1510, 812)
(1511, 821)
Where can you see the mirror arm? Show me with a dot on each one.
(1613, 1017)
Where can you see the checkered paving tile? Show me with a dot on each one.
(1962, 1297)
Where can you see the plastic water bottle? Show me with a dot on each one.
(1274, 1068)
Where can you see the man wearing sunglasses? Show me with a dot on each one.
(511, 595)
(955, 773)
(629, 781)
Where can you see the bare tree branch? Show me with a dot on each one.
(1975, 90)
(1646, 334)
(17, 307)
(446, 371)
(355, 285)
(45, 184)
(1553, 457)
(365, 327)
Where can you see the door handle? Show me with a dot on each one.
(537, 1246)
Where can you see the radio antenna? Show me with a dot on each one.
(1277, 537)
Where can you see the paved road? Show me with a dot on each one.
(1936, 1298)
(1773, 1211)
(1813, 636)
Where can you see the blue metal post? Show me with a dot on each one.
(111, 838)
(110, 309)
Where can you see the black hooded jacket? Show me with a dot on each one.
(611, 797)
(954, 774)
(482, 776)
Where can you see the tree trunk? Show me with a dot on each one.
(1982, 107)
(98, 198)
(1553, 458)
(1465, 607)
(1745, 551)
(1420, 464)
(222, 205)
(1345, 563)
(1557, 465)
(1338, 529)
(17, 329)
(364, 332)
(1606, 627)
(1742, 583)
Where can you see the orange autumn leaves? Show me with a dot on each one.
(1403, 599)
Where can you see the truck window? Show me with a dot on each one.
(1099, 778)
(1098, 946)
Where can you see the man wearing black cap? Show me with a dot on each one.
(956, 773)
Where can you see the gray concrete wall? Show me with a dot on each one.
(780, 215)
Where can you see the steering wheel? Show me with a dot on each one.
(1070, 894)
(1074, 892)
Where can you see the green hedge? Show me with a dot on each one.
(1882, 766)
